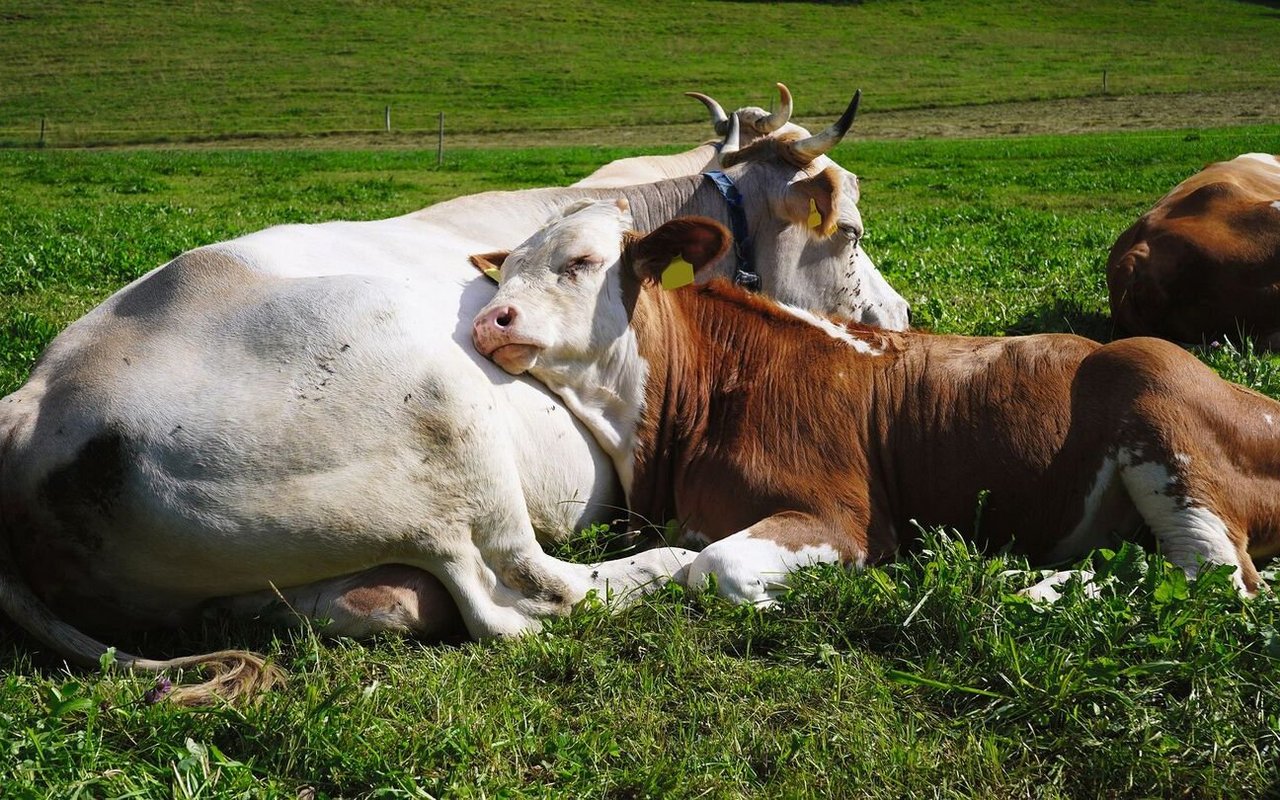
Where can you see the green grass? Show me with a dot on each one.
(929, 678)
(117, 72)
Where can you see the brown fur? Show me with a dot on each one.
(751, 412)
(1205, 261)
(484, 261)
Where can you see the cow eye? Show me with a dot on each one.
(578, 264)
(851, 232)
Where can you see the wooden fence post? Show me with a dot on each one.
(388, 119)
(1104, 81)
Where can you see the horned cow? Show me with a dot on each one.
(298, 414)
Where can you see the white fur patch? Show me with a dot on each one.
(1265, 158)
(831, 329)
(1275, 204)
(1046, 591)
(607, 395)
(1091, 531)
(1190, 535)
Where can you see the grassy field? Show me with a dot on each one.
(201, 70)
(929, 678)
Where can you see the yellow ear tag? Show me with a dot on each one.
(493, 274)
(678, 273)
(815, 219)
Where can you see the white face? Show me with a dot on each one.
(799, 266)
(560, 298)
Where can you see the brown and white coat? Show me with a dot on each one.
(786, 438)
(1204, 262)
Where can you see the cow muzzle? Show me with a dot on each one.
(494, 336)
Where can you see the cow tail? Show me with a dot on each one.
(230, 675)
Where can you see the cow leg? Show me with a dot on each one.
(406, 600)
(753, 565)
(511, 590)
(1198, 457)
(1046, 589)
(1192, 529)
(508, 596)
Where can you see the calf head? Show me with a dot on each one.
(568, 292)
(800, 210)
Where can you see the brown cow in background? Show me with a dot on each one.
(1205, 261)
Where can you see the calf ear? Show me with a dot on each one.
(490, 263)
(813, 202)
(696, 240)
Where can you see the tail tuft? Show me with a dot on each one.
(231, 676)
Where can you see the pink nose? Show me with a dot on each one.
(490, 330)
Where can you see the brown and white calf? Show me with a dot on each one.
(1205, 261)
(786, 438)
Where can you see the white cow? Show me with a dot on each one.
(298, 412)
(880, 304)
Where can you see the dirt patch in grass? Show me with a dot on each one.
(1079, 115)
(1095, 114)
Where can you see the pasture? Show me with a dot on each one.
(925, 678)
(596, 72)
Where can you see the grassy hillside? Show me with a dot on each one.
(929, 679)
(122, 72)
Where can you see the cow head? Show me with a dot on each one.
(801, 215)
(568, 292)
(806, 227)
(802, 207)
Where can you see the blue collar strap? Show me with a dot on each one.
(745, 275)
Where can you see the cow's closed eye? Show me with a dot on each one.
(579, 264)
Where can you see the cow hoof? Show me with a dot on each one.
(1046, 591)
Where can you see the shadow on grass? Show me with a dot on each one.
(21, 653)
(1064, 316)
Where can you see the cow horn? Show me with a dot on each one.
(732, 141)
(718, 118)
(780, 117)
(819, 144)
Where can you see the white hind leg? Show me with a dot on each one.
(1191, 532)
(1046, 590)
